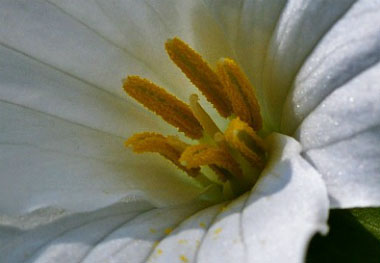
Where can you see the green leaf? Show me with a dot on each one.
(369, 218)
(348, 241)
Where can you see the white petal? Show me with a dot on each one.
(224, 240)
(347, 111)
(105, 41)
(93, 41)
(341, 138)
(348, 49)
(27, 82)
(185, 19)
(134, 241)
(248, 26)
(183, 243)
(115, 234)
(301, 25)
(273, 223)
(350, 169)
(48, 161)
(286, 208)
(40, 30)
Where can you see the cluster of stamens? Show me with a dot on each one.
(233, 158)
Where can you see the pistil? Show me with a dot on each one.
(204, 119)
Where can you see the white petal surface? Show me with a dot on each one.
(350, 169)
(349, 48)
(123, 233)
(92, 48)
(47, 161)
(273, 223)
(134, 241)
(248, 25)
(183, 243)
(27, 82)
(69, 238)
(349, 110)
(301, 25)
(224, 239)
(101, 42)
(286, 207)
(341, 138)
(55, 38)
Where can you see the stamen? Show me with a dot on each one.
(231, 161)
(171, 109)
(205, 120)
(240, 92)
(200, 74)
(243, 138)
(170, 147)
(213, 156)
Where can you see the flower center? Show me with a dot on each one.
(226, 163)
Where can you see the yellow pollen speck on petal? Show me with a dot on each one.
(200, 74)
(242, 137)
(155, 244)
(159, 251)
(202, 225)
(171, 109)
(152, 230)
(217, 231)
(168, 230)
(200, 155)
(182, 241)
(183, 258)
(169, 147)
(198, 243)
(240, 93)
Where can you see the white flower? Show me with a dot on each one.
(64, 119)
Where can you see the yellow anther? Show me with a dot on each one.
(170, 147)
(200, 74)
(213, 156)
(240, 93)
(242, 137)
(171, 109)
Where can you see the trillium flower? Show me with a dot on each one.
(85, 197)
